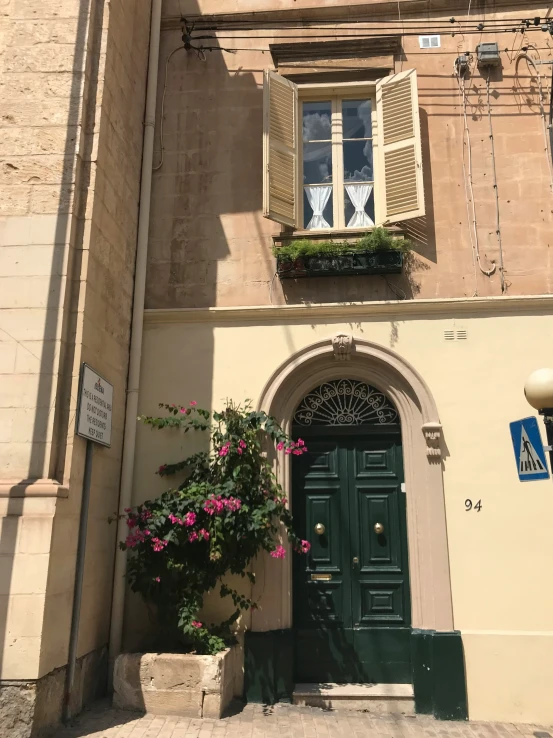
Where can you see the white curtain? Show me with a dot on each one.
(318, 197)
(359, 194)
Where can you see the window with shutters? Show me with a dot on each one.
(342, 156)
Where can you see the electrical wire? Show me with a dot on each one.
(469, 186)
(203, 22)
(546, 135)
(402, 33)
(162, 112)
(271, 288)
(423, 30)
(398, 292)
(496, 189)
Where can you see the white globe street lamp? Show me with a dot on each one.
(538, 390)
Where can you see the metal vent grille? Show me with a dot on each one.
(456, 335)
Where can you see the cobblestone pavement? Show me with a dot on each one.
(285, 721)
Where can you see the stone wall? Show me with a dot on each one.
(210, 245)
(72, 85)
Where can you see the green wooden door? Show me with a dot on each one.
(351, 593)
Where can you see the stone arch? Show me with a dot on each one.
(343, 355)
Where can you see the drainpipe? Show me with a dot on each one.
(125, 495)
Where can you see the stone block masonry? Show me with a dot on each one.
(178, 684)
(72, 94)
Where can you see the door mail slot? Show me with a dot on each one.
(321, 577)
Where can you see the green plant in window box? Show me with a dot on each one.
(378, 251)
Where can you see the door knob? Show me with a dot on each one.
(319, 529)
(378, 528)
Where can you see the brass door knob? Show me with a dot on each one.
(378, 528)
(319, 529)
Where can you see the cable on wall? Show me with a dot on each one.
(468, 182)
(162, 112)
(546, 135)
(495, 186)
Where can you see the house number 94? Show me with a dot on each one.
(470, 506)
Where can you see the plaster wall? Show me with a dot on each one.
(210, 245)
(498, 556)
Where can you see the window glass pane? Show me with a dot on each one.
(359, 205)
(316, 121)
(317, 163)
(317, 207)
(358, 161)
(357, 118)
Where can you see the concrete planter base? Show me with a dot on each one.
(178, 684)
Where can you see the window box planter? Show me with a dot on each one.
(178, 684)
(344, 264)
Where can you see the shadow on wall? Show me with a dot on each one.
(210, 183)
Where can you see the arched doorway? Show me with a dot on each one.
(351, 594)
(437, 668)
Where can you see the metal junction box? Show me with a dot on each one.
(488, 55)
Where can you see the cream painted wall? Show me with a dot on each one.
(501, 557)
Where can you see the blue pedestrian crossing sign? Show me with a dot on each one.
(529, 451)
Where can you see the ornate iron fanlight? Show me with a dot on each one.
(346, 402)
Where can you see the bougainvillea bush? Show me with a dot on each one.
(226, 510)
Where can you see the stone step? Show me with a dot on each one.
(377, 698)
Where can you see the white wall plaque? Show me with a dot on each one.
(95, 407)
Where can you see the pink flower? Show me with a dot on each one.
(196, 624)
(157, 579)
(128, 509)
(190, 519)
(162, 468)
(183, 409)
(131, 522)
(158, 544)
(204, 534)
(193, 403)
(305, 546)
(280, 446)
(288, 451)
(242, 444)
(300, 442)
(133, 539)
(223, 451)
(146, 514)
(214, 505)
(174, 519)
(240, 451)
(278, 553)
(193, 537)
(232, 504)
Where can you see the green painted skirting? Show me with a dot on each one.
(269, 666)
(439, 674)
(438, 671)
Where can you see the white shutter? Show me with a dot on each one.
(399, 141)
(280, 149)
